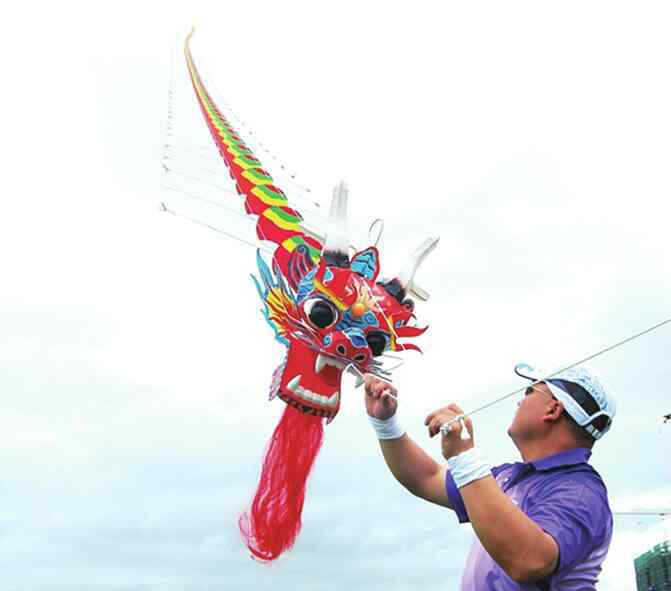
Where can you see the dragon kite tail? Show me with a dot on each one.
(273, 522)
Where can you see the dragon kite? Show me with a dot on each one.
(327, 306)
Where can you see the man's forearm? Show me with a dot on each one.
(415, 469)
(512, 539)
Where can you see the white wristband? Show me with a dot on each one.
(389, 428)
(468, 466)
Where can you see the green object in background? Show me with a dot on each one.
(653, 568)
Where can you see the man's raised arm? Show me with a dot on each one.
(409, 463)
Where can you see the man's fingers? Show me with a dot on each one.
(436, 424)
(373, 384)
(435, 420)
(379, 386)
(450, 410)
(374, 389)
(379, 389)
(430, 425)
(434, 414)
(389, 389)
(457, 427)
(452, 429)
(368, 379)
(389, 402)
(469, 426)
(453, 406)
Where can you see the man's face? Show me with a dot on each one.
(528, 420)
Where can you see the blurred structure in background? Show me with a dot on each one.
(653, 568)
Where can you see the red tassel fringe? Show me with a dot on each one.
(271, 526)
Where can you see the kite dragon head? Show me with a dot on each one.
(334, 314)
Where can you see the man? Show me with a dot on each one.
(543, 523)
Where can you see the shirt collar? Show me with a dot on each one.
(571, 457)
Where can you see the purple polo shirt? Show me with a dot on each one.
(566, 497)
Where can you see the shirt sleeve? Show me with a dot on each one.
(454, 495)
(575, 515)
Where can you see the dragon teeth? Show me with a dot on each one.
(320, 363)
(305, 394)
(293, 385)
(323, 360)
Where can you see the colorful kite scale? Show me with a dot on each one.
(277, 222)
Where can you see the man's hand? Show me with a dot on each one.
(380, 397)
(452, 443)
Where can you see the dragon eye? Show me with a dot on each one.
(377, 341)
(321, 313)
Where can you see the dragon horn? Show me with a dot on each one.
(404, 281)
(336, 243)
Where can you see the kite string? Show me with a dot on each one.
(168, 170)
(252, 137)
(221, 100)
(219, 204)
(446, 426)
(218, 230)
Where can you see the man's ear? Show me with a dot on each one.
(554, 411)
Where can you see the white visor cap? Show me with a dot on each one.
(588, 380)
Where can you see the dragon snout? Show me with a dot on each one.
(350, 344)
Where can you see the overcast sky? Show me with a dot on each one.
(532, 137)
